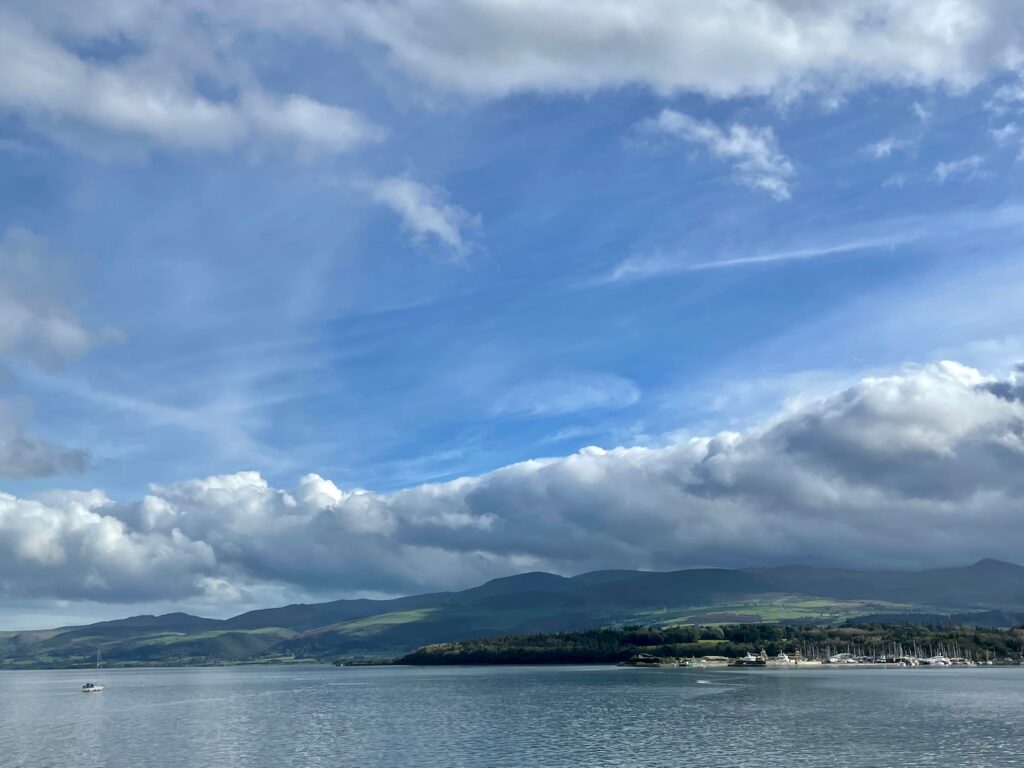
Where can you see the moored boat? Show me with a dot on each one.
(94, 687)
(750, 660)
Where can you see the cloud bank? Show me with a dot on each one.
(751, 47)
(178, 73)
(915, 469)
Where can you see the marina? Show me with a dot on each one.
(896, 658)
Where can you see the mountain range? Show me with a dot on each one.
(987, 593)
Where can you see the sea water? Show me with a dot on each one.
(534, 717)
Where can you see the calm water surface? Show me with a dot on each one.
(534, 716)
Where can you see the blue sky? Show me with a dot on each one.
(297, 249)
(266, 316)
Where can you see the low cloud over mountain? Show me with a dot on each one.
(915, 469)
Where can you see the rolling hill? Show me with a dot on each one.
(988, 593)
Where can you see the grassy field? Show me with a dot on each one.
(771, 609)
(79, 649)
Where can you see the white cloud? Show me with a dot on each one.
(967, 167)
(923, 467)
(753, 151)
(1007, 97)
(312, 124)
(885, 147)
(40, 77)
(1004, 133)
(155, 52)
(426, 214)
(151, 94)
(493, 47)
(1011, 92)
(69, 545)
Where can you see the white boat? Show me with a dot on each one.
(842, 658)
(750, 660)
(93, 687)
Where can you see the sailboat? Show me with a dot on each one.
(93, 687)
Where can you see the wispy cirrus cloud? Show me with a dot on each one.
(570, 393)
(752, 151)
(643, 267)
(885, 236)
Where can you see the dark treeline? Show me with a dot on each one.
(597, 646)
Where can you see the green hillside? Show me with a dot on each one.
(988, 593)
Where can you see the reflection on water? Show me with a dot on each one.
(537, 717)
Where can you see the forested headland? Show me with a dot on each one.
(608, 646)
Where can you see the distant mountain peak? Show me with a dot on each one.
(525, 575)
(991, 564)
(532, 580)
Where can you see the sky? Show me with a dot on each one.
(337, 298)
